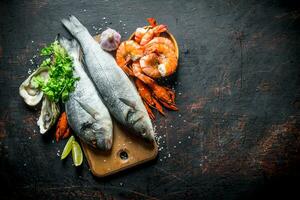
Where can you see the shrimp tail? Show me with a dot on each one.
(152, 21)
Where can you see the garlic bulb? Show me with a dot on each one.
(110, 39)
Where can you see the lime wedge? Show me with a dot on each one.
(76, 153)
(68, 148)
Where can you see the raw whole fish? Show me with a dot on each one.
(86, 113)
(117, 91)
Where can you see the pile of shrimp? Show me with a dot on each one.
(147, 57)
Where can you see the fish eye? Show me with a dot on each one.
(86, 125)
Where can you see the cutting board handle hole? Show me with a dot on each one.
(123, 154)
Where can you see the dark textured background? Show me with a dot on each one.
(236, 134)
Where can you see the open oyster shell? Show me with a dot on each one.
(29, 91)
(49, 114)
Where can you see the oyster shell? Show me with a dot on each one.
(29, 91)
(49, 115)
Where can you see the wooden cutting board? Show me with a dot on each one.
(127, 150)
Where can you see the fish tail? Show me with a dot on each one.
(73, 25)
(71, 46)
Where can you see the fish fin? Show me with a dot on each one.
(87, 108)
(128, 103)
(73, 25)
(71, 46)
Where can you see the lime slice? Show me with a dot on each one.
(76, 153)
(68, 148)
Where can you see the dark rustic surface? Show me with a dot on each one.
(236, 134)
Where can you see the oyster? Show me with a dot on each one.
(49, 115)
(29, 91)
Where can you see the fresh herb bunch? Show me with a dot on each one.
(61, 81)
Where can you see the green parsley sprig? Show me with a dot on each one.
(61, 81)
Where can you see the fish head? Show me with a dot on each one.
(141, 124)
(99, 135)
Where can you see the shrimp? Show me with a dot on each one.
(128, 51)
(145, 35)
(147, 97)
(161, 61)
(163, 94)
(139, 33)
(161, 40)
(151, 33)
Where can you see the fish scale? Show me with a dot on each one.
(117, 91)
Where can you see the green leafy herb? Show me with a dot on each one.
(61, 81)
